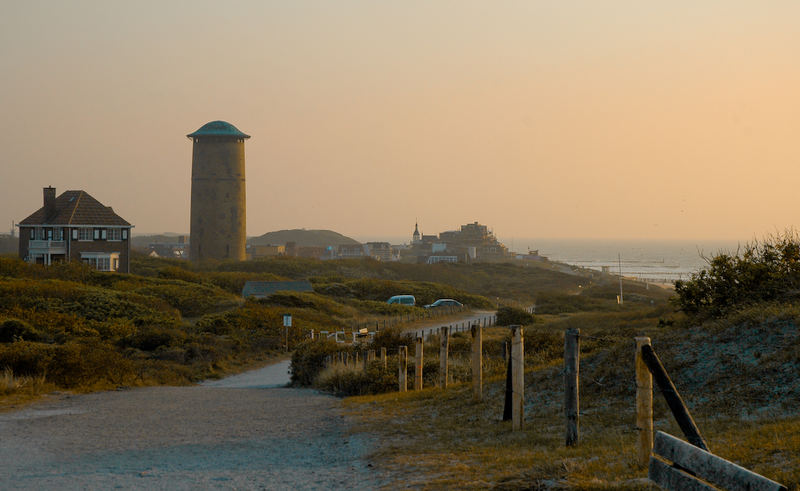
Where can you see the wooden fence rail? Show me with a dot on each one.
(673, 398)
(694, 468)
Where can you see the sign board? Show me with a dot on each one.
(287, 320)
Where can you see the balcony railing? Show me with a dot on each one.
(46, 244)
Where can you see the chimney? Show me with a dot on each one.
(49, 201)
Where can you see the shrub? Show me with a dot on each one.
(16, 330)
(391, 339)
(508, 316)
(351, 381)
(762, 271)
(308, 360)
(149, 338)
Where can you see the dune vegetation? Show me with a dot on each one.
(67, 327)
(728, 338)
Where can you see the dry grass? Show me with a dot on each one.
(16, 390)
(439, 439)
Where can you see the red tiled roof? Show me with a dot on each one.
(76, 208)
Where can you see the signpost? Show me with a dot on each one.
(287, 323)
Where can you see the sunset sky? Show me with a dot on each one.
(617, 119)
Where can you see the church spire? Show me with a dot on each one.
(415, 239)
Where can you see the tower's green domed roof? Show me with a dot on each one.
(218, 128)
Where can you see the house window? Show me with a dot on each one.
(97, 234)
(58, 233)
(114, 234)
(49, 234)
(40, 233)
(84, 234)
(33, 233)
(74, 234)
(125, 234)
(101, 261)
(103, 234)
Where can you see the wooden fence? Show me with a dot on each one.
(672, 463)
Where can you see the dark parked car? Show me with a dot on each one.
(444, 302)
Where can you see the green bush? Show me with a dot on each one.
(509, 316)
(308, 360)
(150, 338)
(16, 330)
(761, 272)
(391, 338)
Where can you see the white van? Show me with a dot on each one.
(403, 300)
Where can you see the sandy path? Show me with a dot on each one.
(426, 329)
(222, 434)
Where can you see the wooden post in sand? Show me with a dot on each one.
(443, 349)
(517, 378)
(402, 364)
(383, 357)
(418, 365)
(644, 403)
(477, 362)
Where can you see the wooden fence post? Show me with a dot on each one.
(477, 362)
(418, 365)
(383, 357)
(644, 403)
(371, 355)
(348, 360)
(518, 378)
(572, 365)
(673, 398)
(509, 391)
(402, 363)
(443, 348)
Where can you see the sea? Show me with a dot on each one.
(662, 261)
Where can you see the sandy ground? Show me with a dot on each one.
(243, 432)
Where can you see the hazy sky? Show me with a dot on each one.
(615, 119)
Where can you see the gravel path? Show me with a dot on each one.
(230, 434)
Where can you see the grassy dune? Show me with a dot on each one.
(738, 377)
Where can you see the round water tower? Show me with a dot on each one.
(218, 221)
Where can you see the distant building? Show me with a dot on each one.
(312, 252)
(75, 227)
(382, 251)
(172, 250)
(346, 251)
(441, 259)
(472, 242)
(259, 251)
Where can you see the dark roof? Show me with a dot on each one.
(218, 128)
(76, 208)
(263, 289)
